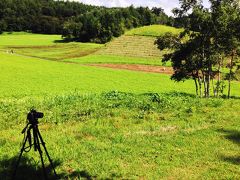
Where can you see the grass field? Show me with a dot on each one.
(28, 39)
(126, 49)
(48, 47)
(103, 123)
(22, 76)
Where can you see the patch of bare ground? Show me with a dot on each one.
(138, 67)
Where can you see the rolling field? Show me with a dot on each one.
(35, 77)
(103, 123)
(48, 47)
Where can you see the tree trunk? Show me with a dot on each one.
(214, 88)
(219, 76)
(230, 73)
(200, 86)
(204, 84)
(196, 85)
(209, 77)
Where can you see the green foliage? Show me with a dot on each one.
(38, 16)
(212, 36)
(101, 25)
(74, 20)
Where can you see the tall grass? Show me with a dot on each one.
(125, 135)
(78, 107)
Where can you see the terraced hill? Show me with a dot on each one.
(133, 46)
(138, 42)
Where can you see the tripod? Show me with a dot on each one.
(37, 141)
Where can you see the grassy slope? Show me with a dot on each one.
(135, 47)
(153, 30)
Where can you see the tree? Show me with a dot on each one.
(212, 38)
(193, 58)
(226, 15)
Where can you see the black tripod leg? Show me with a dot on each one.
(19, 158)
(50, 160)
(37, 145)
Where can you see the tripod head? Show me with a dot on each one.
(33, 116)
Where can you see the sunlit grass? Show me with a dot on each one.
(28, 39)
(153, 30)
(101, 123)
(119, 135)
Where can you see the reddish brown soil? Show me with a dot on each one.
(137, 67)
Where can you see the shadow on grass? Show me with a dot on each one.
(232, 159)
(28, 170)
(234, 136)
(179, 94)
(68, 40)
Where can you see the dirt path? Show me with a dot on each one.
(137, 67)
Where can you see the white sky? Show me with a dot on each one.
(165, 4)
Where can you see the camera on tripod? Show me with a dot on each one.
(33, 137)
(33, 116)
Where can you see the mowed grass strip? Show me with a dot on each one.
(115, 59)
(59, 51)
(153, 30)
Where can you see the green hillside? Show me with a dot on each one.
(138, 43)
(126, 49)
(132, 46)
(153, 30)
